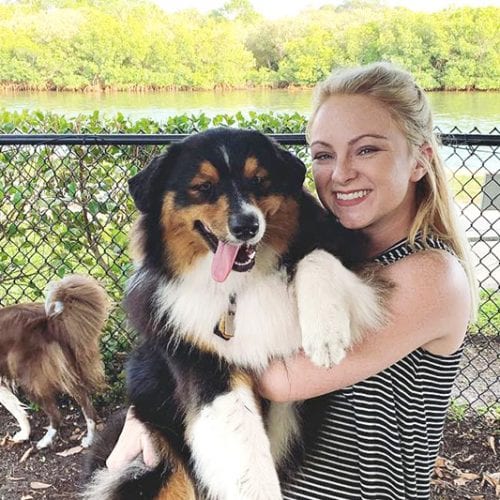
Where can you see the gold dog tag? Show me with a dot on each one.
(225, 328)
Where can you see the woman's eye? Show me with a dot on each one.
(322, 156)
(367, 150)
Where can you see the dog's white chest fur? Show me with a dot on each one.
(266, 321)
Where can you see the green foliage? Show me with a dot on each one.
(66, 209)
(459, 410)
(488, 321)
(135, 45)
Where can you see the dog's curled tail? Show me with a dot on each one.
(77, 308)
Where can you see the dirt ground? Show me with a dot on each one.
(468, 467)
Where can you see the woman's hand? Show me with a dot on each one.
(134, 440)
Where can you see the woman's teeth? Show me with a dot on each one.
(351, 196)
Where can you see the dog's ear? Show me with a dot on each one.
(145, 184)
(295, 170)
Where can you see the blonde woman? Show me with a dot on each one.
(376, 167)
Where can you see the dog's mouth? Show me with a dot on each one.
(228, 256)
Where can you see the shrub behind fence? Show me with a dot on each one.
(64, 207)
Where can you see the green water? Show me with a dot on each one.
(462, 109)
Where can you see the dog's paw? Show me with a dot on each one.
(326, 354)
(47, 440)
(326, 344)
(87, 441)
(20, 437)
(263, 486)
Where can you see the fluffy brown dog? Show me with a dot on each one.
(52, 348)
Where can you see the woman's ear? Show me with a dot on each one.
(425, 154)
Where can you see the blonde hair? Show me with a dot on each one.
(409, 107)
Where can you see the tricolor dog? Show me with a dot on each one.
(235, 265)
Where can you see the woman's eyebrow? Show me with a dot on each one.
(320, 143)
(351, 141)
(356, 139)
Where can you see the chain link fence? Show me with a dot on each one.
(64, 208)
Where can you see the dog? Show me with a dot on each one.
(235, 265)
(51, 348)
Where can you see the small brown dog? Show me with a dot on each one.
(52, 348)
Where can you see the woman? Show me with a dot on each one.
(376, 167)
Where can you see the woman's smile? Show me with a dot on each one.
(350, 198)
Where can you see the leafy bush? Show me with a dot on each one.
(66, 208)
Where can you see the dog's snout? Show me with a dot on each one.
(244, 226)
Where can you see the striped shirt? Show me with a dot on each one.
(379, 438)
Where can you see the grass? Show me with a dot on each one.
(458, 411)
(488, 320)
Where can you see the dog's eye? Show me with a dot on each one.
(258, 180)
(204, 187)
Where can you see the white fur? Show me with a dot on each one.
(283, 428)
(335, 307)
(48, 439)
(105, 482)
(18, 411)
(231, 452)
(52, 308)
(89, 438)
(225, 155)
(266, 321)
(233, 456)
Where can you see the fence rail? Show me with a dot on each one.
(165, 139)
(64, 207)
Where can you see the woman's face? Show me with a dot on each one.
(363, 168)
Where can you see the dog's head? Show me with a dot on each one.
(224, 191)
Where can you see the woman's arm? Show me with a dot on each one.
(429, 308)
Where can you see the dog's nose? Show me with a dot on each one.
(244, 226)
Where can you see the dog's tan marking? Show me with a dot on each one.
(184, 243)
(281, 215)
(240, 378)
(179, 485)
(207, 173)
(243, 379)
(252, 169)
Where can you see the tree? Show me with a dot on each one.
(238, 10)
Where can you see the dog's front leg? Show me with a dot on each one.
(335, 307)
(18, 411)
(230, 449)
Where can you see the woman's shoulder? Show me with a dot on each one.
(435, 284)
(440, 268)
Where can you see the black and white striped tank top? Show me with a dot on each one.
(379, 438)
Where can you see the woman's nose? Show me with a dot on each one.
(343, 172)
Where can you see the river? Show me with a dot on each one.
(464, 110)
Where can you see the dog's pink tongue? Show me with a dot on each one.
(223, 260)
